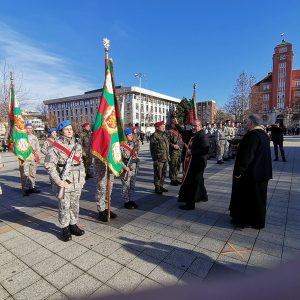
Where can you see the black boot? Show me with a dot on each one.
(75, 230)
(158, 191)
(276, 159)
(103, 216)
(112, 215)
(66, 234)
(283, 159)
(163, 189)
(174, 182)
(26, 193)
(34, 191)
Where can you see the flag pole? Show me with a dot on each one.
(194, 98)
(106, 48)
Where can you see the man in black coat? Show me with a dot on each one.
(251, 174)
(193, 189)
(277, 139)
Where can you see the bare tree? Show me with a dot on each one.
(20, 92)
(238, 104)
(222, 116)
(42, 108)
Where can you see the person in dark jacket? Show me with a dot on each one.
(193, 189)
(251, 174)
(277, 139)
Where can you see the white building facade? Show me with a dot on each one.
(137, 105)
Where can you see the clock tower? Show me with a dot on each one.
(282, 76)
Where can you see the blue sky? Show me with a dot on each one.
(57, 45)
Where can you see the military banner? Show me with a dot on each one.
(108, 128)
(18, 135)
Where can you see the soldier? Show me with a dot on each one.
(129, 151)
(159, 148)
(45, 148)
(221, 142)
(55, 162)
(176, 146)
(85, 140)
(50, 140)
(29, 166)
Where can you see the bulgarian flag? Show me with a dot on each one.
(108, 128)
(18, 135)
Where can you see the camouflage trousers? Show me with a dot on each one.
(28, 173)
(68, 208)
(128, 186)
(226, 150)
(87, 161)
(160, 170)
(101, 183)
(174, 166)
(221, 149)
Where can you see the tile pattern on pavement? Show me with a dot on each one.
(156, 245)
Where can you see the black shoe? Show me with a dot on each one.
(276, 159)
(158, 191)
(220, 162)
(103, 216)
(163, 190)
(26, 193)
(66, 234)
(187, 207)
(75, 230)
(130, 205)
(174, 182)
(284, 160)
(112, 215)
(88, 176)
(34, 191)
(178, 182)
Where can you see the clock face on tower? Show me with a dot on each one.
(282, 56)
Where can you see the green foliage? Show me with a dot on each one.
(182, 109)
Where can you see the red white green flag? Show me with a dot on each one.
(18, 135)
(108, 128)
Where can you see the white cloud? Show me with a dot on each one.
(45, 75)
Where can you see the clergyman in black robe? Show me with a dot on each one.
(193, 189)
(251, 174)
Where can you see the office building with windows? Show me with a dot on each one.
(137, 105)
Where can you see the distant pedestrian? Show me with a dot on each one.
(85, 140)
(251, 174)
(277, 139)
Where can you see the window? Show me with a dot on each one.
(298, 83)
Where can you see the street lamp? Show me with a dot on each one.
(140, 76)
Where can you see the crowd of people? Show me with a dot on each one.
(69, 162)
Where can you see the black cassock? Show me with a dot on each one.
(193, 189)
(249, 192)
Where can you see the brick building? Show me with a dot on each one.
(277, 96)
(206, 111)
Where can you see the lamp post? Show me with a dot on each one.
(140, 76)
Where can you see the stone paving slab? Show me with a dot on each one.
(157, 244)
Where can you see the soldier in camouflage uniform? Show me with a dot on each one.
(55, 161)
(130, 159)
(221, 142)
(50, 140)
(45, 148)
(159, 148)
(29, 166)
(176, 146)
(85, 140)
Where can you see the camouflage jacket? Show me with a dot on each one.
(126, 153)
(55, 161)
(159, 146)
(175, 139)
(47, 144)
(85, 141)
(34, 142)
